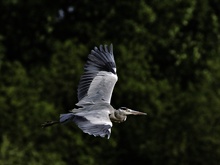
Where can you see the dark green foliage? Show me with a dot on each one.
(168, 64)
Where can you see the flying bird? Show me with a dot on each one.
(95, 114)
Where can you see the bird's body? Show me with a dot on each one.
(95, 114)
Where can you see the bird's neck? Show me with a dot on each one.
(118, 117)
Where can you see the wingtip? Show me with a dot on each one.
(111, 48)
(101, 48)
(104, 47)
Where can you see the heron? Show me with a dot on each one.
(94, 113)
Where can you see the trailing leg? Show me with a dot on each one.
(49, 123)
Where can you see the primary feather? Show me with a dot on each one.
(99, 78)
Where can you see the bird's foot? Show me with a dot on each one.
(49, 123)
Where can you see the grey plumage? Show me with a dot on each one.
(100, 62)
(96, 85)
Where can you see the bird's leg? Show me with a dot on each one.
(49, 123)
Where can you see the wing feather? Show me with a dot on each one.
(99, 78)
(97, 124)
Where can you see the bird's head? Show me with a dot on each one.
(128, 111)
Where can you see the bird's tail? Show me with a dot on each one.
(64, 118)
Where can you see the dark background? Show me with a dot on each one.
(168, 62)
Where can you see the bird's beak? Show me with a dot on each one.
(133, 112)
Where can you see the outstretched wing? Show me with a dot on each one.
(99, 78)
(95, 123)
